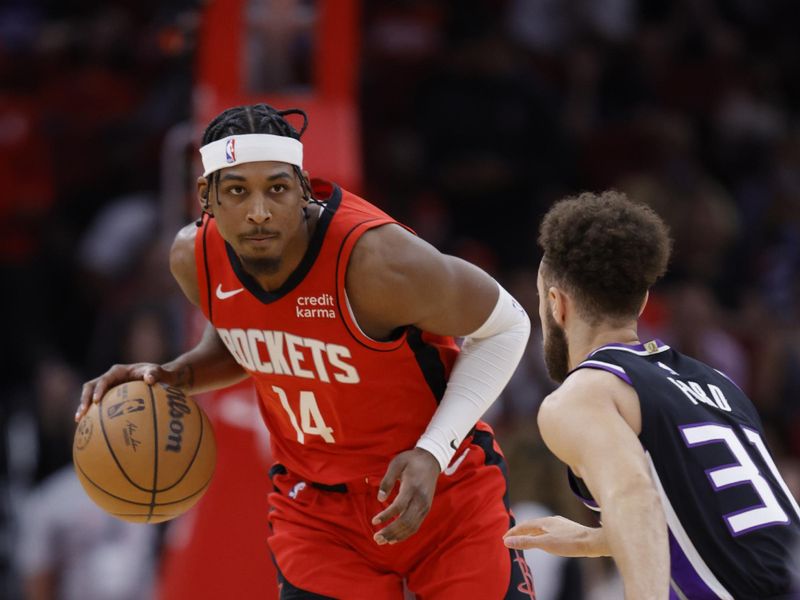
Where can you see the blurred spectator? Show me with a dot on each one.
(700, 213)
(41, 423)
(70, 549)
(695, 329)
(550, 25)
(117, 236)
(279, 45)
(144, 332)
(66, 546)
(488, 130)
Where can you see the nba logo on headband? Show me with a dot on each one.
(230, 151)
(250, 147)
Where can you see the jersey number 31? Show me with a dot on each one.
(744, 471)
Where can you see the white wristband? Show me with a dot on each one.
(488, 359)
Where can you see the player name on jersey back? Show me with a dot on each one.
(696, 394)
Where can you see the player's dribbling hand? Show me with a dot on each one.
(558, 536)
(94, 390)
(417, 471)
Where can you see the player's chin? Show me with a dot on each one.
(261, 263)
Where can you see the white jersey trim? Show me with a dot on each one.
(605, 365)
(677, 530)
(353, 317)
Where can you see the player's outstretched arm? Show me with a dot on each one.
(586, 424)
(394, 280)
(205, 367)
(558, 535)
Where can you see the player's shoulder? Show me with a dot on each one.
(586, 383)
(386, 251)
(182, 261)
(580, 387)
(185, 237)
(182, 251)
(587, 389)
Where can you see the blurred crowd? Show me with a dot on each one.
(89, 90)
(476, 115)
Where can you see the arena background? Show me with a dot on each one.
(464, 119)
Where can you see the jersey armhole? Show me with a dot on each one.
(580, 490)
(343, 303)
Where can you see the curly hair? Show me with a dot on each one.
(606, 250)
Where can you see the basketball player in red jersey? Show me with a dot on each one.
(344, 319)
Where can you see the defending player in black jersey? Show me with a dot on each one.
(669, 449)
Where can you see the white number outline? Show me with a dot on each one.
(745, 471)
(311, 421)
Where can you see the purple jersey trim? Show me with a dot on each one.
(609, 368)
(684, 575)
(579, 493)
(729, 379)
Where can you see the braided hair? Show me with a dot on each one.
(255, 118)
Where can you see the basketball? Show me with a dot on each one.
(145, 453)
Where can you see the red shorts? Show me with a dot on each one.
(322, 539)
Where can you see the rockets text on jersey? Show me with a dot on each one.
(281, 353)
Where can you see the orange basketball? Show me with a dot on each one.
(145, 453)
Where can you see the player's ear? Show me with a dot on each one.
(557, 304)
(644, 302)
(203, 191)
(306, 190)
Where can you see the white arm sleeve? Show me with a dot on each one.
(487, 360)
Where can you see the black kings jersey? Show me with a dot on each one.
(733, 524)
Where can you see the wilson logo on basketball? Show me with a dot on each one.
(178, 409)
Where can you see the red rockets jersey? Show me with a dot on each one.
(339, 405)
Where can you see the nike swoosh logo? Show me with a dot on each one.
(225, 295)
(452, 468)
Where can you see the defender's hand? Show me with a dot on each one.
(559, 536)
(150, 373)
(417, 471)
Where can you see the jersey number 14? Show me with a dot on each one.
(311, 421)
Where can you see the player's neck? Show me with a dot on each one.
(585, 339)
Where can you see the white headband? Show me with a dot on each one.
(251, 147)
